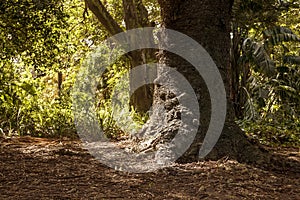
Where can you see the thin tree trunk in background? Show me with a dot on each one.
(59, 82)
(136, 16)
(239, 73)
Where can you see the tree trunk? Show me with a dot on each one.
(135, 16)
(240, 72)
(207, 22)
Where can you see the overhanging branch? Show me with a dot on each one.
(103, 16)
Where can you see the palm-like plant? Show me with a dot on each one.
(273, 91)
(260, 52)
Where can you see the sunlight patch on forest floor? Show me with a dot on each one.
(36, 168)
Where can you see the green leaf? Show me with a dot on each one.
(277, 30)
(292, 59)
(277, 35)
(260, 56)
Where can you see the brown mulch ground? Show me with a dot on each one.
(34, 168)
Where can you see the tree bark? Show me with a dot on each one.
(136, 16)
(103, 16)
(239, 72)
(207, 22)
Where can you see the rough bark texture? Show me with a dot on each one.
(207, 22)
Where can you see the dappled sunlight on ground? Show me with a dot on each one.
(34, 168)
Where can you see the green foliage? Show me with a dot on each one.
(265, 79)
(111, 102)
(31, 29)
(273, 133)
(273, 99)
(291, 60)
(278, 34)
(258, 54)
(40, 39)
(27, 109)
(38, 42)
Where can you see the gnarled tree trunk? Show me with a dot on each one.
(207, 22)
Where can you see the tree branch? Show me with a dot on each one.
(103, 16)
(135, 14)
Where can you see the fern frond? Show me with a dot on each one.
(260, 56)
(286, 37)
(279, 34)
(292, 59)
(277, 30)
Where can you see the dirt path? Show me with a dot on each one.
(32, 168)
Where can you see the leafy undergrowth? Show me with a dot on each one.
(35, 168)
(273, 134)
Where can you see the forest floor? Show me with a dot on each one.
(35, 168)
